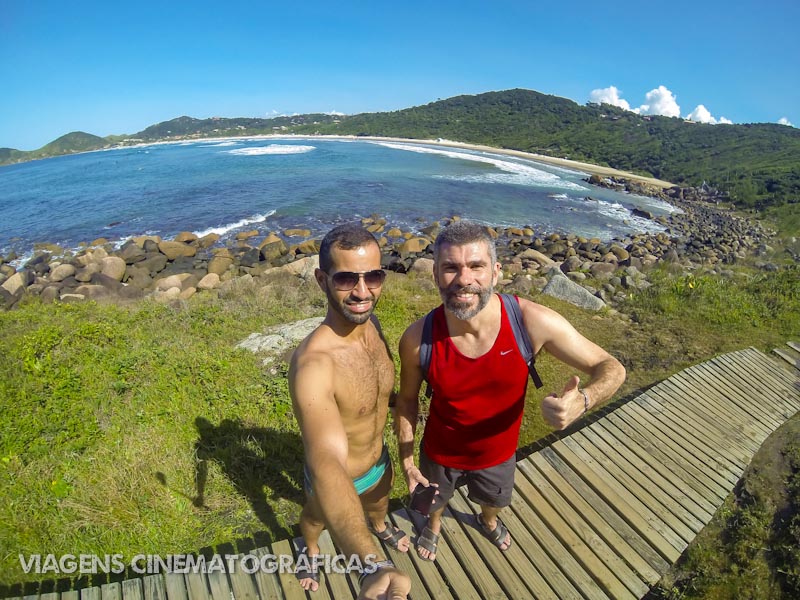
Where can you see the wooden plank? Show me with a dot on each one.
(685, 433)
(610, 514)
(793, 346)
(196, 586)
(591, 550)
(733, 401)
(176, 586)
(291, 589)
(482, 578)
(218, 585)
(675, 445)
(154, 588)
(656, 501)
(746, 389)
(512, 569)
(610, 534)
(690, 511)
(108, 591)
(789, 358)
(269, 587)
(746, 363)
(661, 462)
(638, 516)
(55, 595)
(68, 595)
(338, 583)
(91, 593)
(131, 590)
(243, 585)
(560, 554)
(694, 411)
(782, 394)
(426, 572)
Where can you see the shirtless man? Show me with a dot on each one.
(479, 380)
(340, 380)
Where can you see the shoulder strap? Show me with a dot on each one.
(514, 313)
(426, 350)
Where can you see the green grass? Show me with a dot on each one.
(141, 429)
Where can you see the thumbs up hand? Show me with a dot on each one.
(560, 411)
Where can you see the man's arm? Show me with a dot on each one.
(551, 331)
(326, 450)
(407, 402)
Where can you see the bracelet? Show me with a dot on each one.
(585, 400)
(377, 566)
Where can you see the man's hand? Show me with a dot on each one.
(414, 477)
(560, 411)
(385, 584)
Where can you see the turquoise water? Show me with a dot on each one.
(227, 186)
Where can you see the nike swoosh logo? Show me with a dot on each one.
(504, 352)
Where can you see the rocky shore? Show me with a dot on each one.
(587, 272)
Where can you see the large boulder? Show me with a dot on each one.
(113, 267)
(173, 250)
(61, 272)
(561, 287)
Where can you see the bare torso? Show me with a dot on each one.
(363, 383)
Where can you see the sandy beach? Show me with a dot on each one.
(559, 162)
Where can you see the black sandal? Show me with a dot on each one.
(391, 535)
(428, 540)
(306, 570)
(497, 535)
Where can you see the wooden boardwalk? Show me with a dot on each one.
(600, 513)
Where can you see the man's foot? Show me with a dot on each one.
(395, 537)
(499, 536)
(427, 543)
(306, 570)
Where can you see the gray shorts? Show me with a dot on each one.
(488, 487)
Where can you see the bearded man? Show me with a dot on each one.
(479, 380)
(341, 378)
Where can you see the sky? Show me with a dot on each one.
(116, 68)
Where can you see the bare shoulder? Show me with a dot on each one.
(313, 353)
(412, 338)
(539, 315)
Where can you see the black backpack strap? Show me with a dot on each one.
(426, 350)
(514, 313)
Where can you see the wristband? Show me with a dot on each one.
(585, 401)
(381, 564)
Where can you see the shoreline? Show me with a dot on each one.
(581, 167)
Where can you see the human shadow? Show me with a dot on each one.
(264, 464)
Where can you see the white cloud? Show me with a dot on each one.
(702, 115)
(609, 95)
(334, 113)
(660, 101)
(785, 121)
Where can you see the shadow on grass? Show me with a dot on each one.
(263, 464)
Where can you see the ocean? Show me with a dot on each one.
(269, 184)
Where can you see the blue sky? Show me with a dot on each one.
(112, 68)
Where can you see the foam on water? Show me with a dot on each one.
(618, 212)
(223, 229)
(513, 172)
(271, 149)
(220, 144)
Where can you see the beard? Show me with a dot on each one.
(341, 307)
(463, 310)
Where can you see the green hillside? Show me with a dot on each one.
(759, 164)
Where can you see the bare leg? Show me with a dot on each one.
(311, 526)
(376, 505)
(489, 518)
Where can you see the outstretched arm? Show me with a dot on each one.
(407, 403)
(551, 331)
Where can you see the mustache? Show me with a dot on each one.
(469, 289)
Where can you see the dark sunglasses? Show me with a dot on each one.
(344, 281)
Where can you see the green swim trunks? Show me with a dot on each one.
(363, 482)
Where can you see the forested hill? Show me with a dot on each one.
(759, 164)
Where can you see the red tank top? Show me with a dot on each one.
(477, 403)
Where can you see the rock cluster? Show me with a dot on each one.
(702, 234)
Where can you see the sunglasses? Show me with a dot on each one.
(344, 281)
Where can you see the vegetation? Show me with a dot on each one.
(756, 163)
(141, 429)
